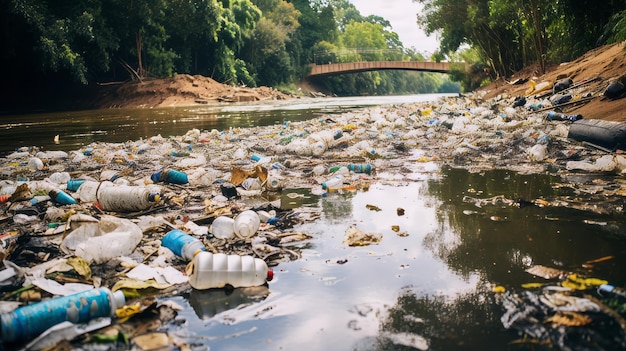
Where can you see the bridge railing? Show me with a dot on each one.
(356, 54)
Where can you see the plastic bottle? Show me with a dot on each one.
(261, 159)
(360, 168)
(223, 227)
(207, 270)
(88, 191)
(129, 198)
(612, 290)
(170, 176)
(333, 183)
(27, 322)
(267, 217)
(182, 244)
(74, 184)
(246, 224)
(556, 116)
(61, 197)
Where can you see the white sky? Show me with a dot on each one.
(402, 16)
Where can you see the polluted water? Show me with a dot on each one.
(369, 229)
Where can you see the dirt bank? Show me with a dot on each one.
(182, 90)
(605, 63)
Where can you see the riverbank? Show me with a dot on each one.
(600, 66)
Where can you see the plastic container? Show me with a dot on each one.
(74, 184)
(88, 191)
(267, 217)
(335, 182)
(122, 198)
(606, 289)
(170, 176)
(59, 177)
(360, 168)
(556, 116)
(207, 270)
(27, 322)
(35, 164)
(223, 227)
(182, 244)
(61, 197)
(246, 224)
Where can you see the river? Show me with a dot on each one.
(428, 285)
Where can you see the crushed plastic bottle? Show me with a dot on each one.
(207, 270)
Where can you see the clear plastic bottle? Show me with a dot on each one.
(127, 198)
(182, 244)
(27, 322)
(336, 182)
(246, 224)
(207, 270)
(223, 227)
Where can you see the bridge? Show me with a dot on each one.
(352, 67)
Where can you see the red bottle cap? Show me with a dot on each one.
(270, 275)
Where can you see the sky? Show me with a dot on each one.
(402, 16)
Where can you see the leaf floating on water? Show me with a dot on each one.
(373, 208)
(532, 285)
(357, 237)
(546, 272)
(498, 218)
(569, 319)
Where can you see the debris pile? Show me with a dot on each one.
(97, 216)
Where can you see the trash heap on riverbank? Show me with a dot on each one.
(96, 217)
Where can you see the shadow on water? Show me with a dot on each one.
(428, 285)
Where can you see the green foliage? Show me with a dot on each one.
(512, 34)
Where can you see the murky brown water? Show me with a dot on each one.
(428, 289)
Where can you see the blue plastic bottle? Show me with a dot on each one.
(360, 168)
(170, 176)
(74, 184)
(27, 322)
(182, 244)
(61, 197)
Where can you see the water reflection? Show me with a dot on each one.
(430, 289)
(208, 303)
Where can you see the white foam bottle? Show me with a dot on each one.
(208, 270)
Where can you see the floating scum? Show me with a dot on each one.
(123, 203)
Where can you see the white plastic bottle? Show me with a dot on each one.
(208, 270)
(223, 227)
(121, 198)
(88, 191)
(246, 224)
